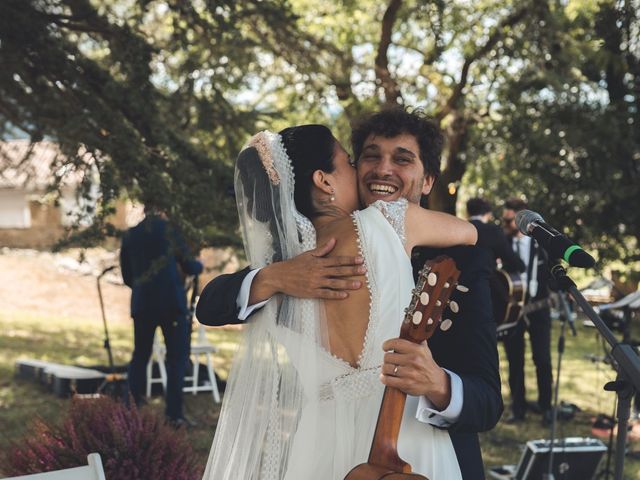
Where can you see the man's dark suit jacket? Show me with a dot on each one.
(151, 256)
(498, 245)
(468, 348)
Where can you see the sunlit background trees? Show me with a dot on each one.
(155, 98)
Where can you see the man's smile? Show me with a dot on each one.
(382, 188)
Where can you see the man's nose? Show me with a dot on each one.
(384, 167)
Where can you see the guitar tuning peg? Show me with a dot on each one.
(432, 279)
(453, 305)
(424, 298)
(417, 318)
(446, 285)
(462, 288)
(438, 303)
(446, 324)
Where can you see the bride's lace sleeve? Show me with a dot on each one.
(395, 213)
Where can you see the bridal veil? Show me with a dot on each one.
(272, 376)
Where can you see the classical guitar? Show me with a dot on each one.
(508, 294)
(507, 297)
(436, 281)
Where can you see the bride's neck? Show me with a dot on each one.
(328, 217)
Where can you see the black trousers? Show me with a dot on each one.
(539, 329)
(175, 328)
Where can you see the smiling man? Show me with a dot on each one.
(398, 155)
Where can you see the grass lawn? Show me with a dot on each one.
(78, 342)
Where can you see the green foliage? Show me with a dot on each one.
(565, 134)
(139, 96)
(157, 97)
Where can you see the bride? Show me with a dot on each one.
(304, 391)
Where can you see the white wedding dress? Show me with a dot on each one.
(347, 399)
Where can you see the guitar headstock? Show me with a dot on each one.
(436, 282)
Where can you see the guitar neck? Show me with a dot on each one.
(436, 281)
(384, 446)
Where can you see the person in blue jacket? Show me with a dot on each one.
(154, 260)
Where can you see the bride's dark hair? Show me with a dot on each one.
(310, 148)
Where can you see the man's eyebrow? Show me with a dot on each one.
(371, 146)
(405, 151)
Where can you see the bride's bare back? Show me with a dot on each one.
(347, 319)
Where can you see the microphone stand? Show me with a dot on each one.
(114, 383)
(566, 317)
(106, 343)
(626, 360)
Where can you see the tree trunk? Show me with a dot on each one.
(441, 198)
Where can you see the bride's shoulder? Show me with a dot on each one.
(394, 211)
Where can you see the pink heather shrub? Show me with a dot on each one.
(134, 445)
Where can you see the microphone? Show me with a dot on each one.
(555, 243)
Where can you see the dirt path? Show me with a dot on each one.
(58, 284)
(46, 284)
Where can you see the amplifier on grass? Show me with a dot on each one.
(574, 458)
(62, 380)
(66, 380)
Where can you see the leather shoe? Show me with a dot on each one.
(181, 422)
(513, 419)
(534, 407)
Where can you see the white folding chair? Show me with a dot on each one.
(200, 348)
(158, 354)
(92, 471)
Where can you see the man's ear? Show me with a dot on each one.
(323, 181)
(427, 184)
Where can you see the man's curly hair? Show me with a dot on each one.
(395, 121)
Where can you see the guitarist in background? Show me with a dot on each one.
(492, 238)
(537, 323)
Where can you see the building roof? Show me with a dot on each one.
(33, 166)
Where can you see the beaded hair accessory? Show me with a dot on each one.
(262, 144)
(277, 164)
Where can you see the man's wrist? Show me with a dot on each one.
(265, 284)
(441, 397)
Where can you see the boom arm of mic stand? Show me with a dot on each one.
(627, 360)
(622, 353)
(564, 304)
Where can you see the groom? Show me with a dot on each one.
(398, 155)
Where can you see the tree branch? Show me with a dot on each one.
(388, 83)
(493, 39)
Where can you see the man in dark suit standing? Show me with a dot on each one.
(470, 352)
(537, 322)
(492, 238)
(154, 259)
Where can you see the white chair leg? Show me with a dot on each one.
(196, 372)
(157, 356)
(163, 373)
(212, 379)
(149, 373)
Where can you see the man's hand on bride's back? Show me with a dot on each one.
(309, 275)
